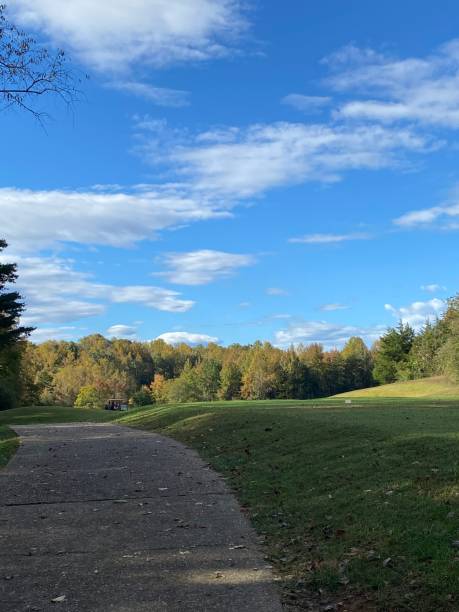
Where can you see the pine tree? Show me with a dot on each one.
(11, 306)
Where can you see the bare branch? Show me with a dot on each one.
(29, 71)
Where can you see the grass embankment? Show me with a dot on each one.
(359, 504)
(436, 387)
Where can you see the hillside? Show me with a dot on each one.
(435, 387)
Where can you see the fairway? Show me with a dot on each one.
(435, 387)
(358, 504)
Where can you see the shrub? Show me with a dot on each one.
(88, 397)
(142, 397)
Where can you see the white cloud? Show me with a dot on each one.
(110, 217)
(186, 337)
(55, 292)
(203, 267)
(425, 90)
(418, 313)
(329, 334)
(114, 36)
(433, 288)
(121, 331)
(446, 217)
(55, 333)
(161, 96)
(153, 297)
(333, 307)
(307, 104)
(276, 291)
(243, 163)
(329, 238)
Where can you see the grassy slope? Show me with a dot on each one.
(435, 387)
(336, 489)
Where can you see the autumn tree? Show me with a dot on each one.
(230, 381)
(158, 389)
(358, 364)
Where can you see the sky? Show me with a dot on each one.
(238, 171)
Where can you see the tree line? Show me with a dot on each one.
(94, 369)
(89, 371)
(403, 354)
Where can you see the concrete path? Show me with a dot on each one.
(102, 517)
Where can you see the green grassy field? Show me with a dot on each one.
(359, 503)
(435, 387)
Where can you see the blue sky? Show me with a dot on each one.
(238, 171)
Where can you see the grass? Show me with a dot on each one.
(8, 444)
(435, 387)
(359, 503)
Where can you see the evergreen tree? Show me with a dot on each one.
(11, 306)
(392, 355)
(11, 335)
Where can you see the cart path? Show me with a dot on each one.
(105, 518)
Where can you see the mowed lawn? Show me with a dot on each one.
(359, 503)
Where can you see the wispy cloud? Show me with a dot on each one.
(433, 288)
(161, 96)
(414, 89)
(418, 314)
(204, 266)
(306, 104)
(178, 337)
(118, 218)
(64, 332)
(55, 292)
(333, 307)
(329, 334)
(121, 331)
(329, 238)
(117, 35)
(244, 163)
(444, 217)
(276, 291)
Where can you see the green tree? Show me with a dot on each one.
(448, 355)
(142, 397)
(391, 357)
(231, 381)
(12, 335)
(88, 397)
(11, 306)
(260, 380)
(208, 373)
(185, 388)
(358, 365)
